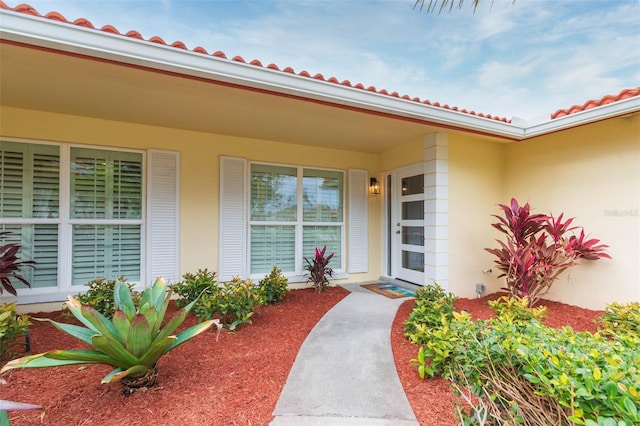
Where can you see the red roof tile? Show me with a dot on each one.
(593, 103)
(56, 16)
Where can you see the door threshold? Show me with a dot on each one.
(403, 283)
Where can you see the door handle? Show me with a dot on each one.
(397, 232)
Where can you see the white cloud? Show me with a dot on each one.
(494, 73)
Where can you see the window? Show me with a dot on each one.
(30, 206)
(95, 220)
(292, 211)
(105, 214)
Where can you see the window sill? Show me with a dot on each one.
(303, 279)
(297, 279)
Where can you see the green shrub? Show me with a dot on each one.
(100, 295)
(232, 303)
(273, 287)
(516, 309)
(12, 328)
(446, 345)
(193, 285)
(621, 320)
(522, 372)
(432, 309)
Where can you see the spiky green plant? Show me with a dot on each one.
(13, 406)
(132, 343)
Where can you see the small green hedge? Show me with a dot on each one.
(512, 369)
(99, 296)
(433, 307)
(12, 331)
(232, 302)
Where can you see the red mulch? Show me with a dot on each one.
(234, 381)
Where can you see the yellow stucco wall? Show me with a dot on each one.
(591, 173)
(401, 155)
(200, 153)
(476, 185)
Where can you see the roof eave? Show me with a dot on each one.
(604, 112)
(101, 45)
(46, 33)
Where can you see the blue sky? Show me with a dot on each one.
(521, 59)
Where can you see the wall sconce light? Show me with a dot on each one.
(374, 186)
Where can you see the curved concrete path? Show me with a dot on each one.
(344, 374)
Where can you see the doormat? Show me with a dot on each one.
(392, 291)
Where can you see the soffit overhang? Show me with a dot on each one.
(54, 66)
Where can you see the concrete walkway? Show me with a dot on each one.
(344, 374)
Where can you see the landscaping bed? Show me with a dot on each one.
(233, 381)
(432, 400)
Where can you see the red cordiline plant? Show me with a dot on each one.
(318, 270)
(538, 248)
(10, 265)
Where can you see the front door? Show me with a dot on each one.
(407, 225)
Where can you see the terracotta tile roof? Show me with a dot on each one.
(56, 16)
(625, 94)
(82, 22)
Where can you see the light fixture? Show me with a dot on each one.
(374, 186)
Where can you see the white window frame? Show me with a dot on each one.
(68, 222)
(298, 274)
(65, 226)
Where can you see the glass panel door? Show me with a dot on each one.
(409, 226)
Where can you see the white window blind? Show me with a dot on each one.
(322, 195)
(29, 192)
(271, 246)
(12, 180)
(274, 195)
(293, 211)
(106, 214)
(320, 236)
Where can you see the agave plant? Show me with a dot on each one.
(132, 342)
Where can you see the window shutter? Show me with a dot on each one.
(233, 218)
(358, 222)
(163, 215)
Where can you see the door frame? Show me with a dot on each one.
(392, 241)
